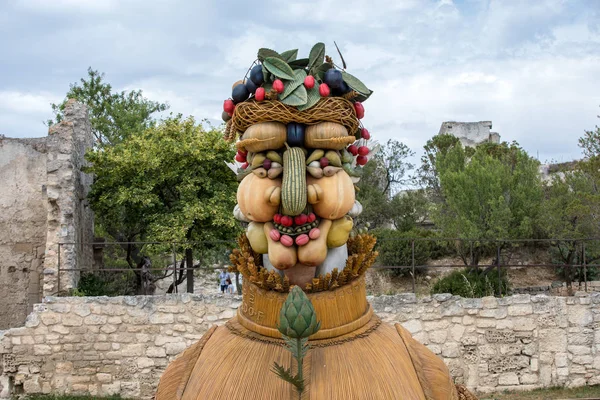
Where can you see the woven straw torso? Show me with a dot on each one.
(353, 356)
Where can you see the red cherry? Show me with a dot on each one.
(363, 150)
(228, 106)
(259, 95)
(353, 150)
(360, 110)
(287, 221)
(365, 134)
(361, 160)
(301, 219)
(240, 157)
(277, 218)
(278, 86)
(309, 82)
(245, 165)
(324, 90)
(324, 162)
(243, 152)
(311, 217)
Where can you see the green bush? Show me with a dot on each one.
(395, 249)
(474, 282)
(105, 284)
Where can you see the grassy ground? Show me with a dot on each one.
(586, 392)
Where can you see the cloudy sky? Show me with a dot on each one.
(530, 66)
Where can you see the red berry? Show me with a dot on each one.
(361, 160)
(324, 90)
(365, 134)
(242, 152)
(277, 218)
(311, 217)
(278, 86)
(353, 150)
(259, 95)
(301, 219)
(228, 106)
(309, 82)
(240, 157)
(363, 150)
(287, 221)
(324, 162)
(245, 165)
(267, 164)
(360, 110)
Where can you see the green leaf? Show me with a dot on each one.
(264, 53)
(319, 71)
(299, 76)
(299, 63)
(317, 55)
(279, 68)
(313, 98)
(297, 98)
(286, 375)
(356, 84)
(290, 55)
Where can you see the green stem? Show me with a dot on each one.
(300, 360)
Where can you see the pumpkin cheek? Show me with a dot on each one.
(337, 196)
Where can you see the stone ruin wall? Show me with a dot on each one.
(121, 345)
(42, 192)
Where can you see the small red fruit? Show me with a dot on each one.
(242, 152)
(309, 82)
(311, 217)
(324, 162)
(287, 221)
(324, 90)
(240, 157)
(228, 106)
(278, 86)
(361, 160)
(301, 219)
(364, 133)
(360, 110)
(259, 95)
(353, 150)
(245, 165)
(267, 164)
(363, 150)
(277, 218)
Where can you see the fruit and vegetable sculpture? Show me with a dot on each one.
(301, 148)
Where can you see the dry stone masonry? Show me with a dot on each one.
(122, 345)
(42, 203)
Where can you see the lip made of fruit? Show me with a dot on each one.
(297, 230)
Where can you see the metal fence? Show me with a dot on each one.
(170, 262)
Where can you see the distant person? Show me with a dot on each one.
(223, 277)
(230, 286)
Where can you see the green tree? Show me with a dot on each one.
(167, 183)
(383, 178)
(494, 194)
(590, 143)
(113, 115)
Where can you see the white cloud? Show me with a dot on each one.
(26, 103)
(94, 6)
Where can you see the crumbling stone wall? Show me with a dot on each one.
(42, 203)
(123, 344)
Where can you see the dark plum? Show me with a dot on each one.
(239, 93)
(251, 86)
(256, 75)
(333, 78)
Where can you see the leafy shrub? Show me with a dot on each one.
(395, 248)
(105, 284)
(473, 282)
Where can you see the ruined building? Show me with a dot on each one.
(470, 134)
(43, 203)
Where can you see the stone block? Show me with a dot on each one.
(161, 318)
(174, 348)
(554, 340)
(507, 379)
(528, 379)
(451, 350)
(520, 309)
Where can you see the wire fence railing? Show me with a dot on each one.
(117, 268)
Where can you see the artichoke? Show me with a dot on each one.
(297, 318)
